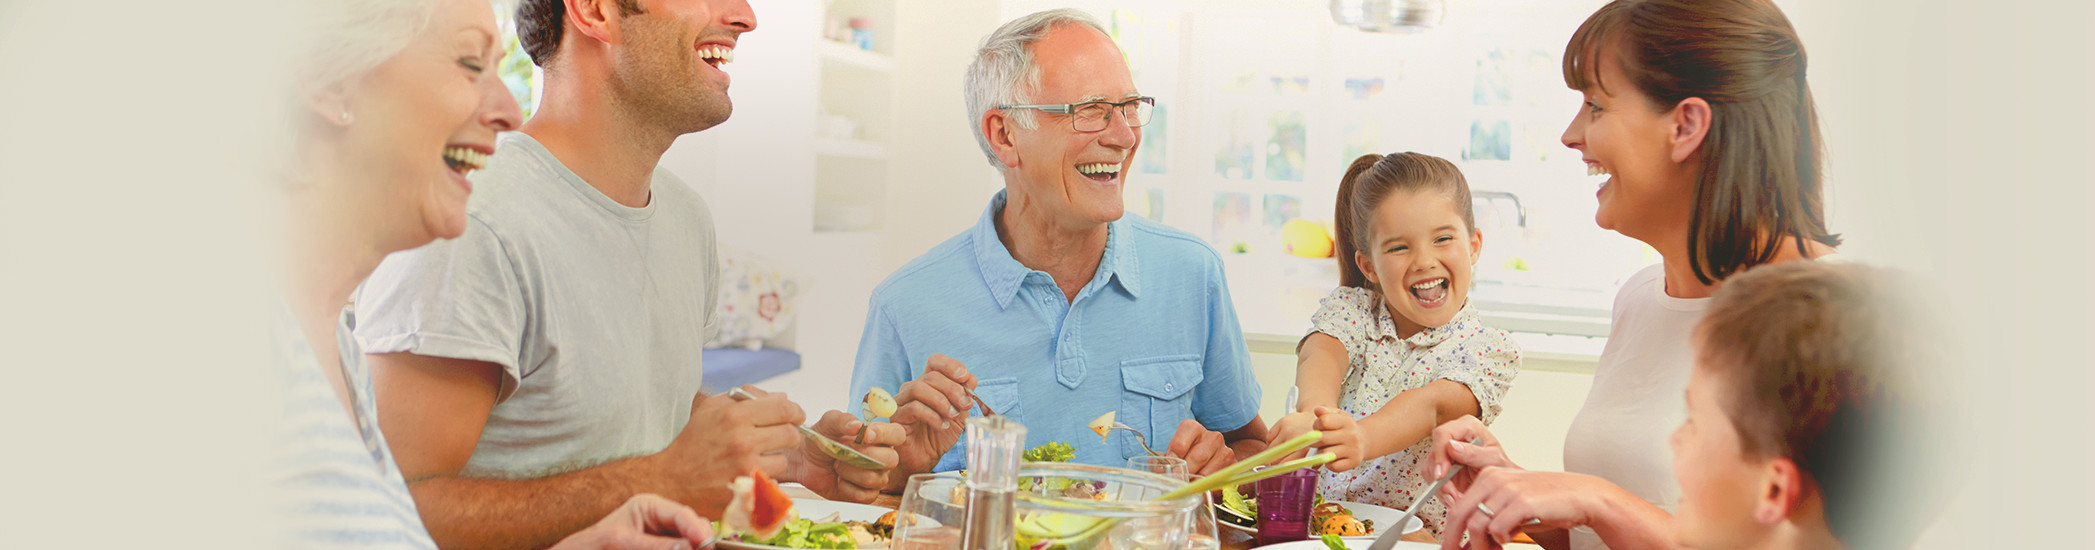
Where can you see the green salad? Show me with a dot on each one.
(802, 533)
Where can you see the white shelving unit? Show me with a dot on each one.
(855, 121)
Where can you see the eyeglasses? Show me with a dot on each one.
(1091, 116)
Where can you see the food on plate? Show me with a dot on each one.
(1332, 542)
(1103, 424)
(1241, 510)
(1052, 451)
(1342, 525)
(880, 403)
(885, 526)
(1331, 518)
(828, 534)
(757, 507)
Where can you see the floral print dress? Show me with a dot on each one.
(1383, 365)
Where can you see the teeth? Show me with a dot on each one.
(1099, 168)
(464, 159)
(1428, 284)
(1595, 170)
(720, 55)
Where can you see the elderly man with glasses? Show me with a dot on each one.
(1056, 308)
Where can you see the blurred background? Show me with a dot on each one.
(131, 141)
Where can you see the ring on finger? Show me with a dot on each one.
(1486, 510)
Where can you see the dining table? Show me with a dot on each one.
(1232, 539)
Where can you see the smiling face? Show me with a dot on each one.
(667, 70)
(1420, 254)
(1620, 134)
(1720, 486)
(1075, 176)
(425, 118)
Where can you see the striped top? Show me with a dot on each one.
(335, 484)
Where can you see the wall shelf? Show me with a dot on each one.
(850, 56)
(852, 148)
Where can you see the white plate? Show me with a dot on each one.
(816, 509)
(1381, 515)
(1352, 543)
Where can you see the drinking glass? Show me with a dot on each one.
(1202, 536)
(932, 510)
(1284, 503)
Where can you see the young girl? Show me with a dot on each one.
(1396, 349)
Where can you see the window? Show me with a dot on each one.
(1253, 133)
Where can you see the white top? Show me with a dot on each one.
(333, 482)
(1638, 396)
(1381, 365)
(597, 312)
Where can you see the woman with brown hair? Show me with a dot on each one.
(1700, 113)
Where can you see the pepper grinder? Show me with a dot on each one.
(993, 449)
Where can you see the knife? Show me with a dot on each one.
(1389, 538)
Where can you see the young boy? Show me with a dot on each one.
(1801, 421)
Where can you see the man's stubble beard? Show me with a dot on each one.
(657, 82)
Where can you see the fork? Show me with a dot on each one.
(1143, 441)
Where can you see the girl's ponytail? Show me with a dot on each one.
(1349, 273)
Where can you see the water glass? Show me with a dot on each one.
(932, 510)
(1203, 535)
(1284, 503)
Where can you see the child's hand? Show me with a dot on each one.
(1342, 437)
(1289, 427)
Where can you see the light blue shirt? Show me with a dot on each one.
(1153, 335)
(334, 480)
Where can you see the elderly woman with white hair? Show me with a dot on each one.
(398, 102)
(1060, 306)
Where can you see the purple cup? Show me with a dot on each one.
(1284, 503)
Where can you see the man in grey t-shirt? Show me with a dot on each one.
(534, 373)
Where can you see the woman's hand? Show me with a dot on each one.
(1451, 445)
(645, 522)
(1513, 497)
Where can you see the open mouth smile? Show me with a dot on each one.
(1099, 171)
(1430, 293)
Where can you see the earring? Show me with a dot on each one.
(346, 118)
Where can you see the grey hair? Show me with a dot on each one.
(347, 38)
(1003, 72)
(337, 41)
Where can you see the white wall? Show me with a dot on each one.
(758, 177)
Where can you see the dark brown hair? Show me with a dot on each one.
(539, 26)
(1816, 367)
(1372, 179)
(1761, 176)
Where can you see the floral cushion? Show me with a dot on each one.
(757, 300)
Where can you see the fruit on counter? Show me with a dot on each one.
(1103, 424)
(880, 403)
(758, 507)
(1305, 239)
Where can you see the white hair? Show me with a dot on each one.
(1004, 73)
(347, 38)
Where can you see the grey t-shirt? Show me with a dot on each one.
(597, 312)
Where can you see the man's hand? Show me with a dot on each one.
(1205, 450)
(645, 522)
(1289, 427)
(726, 439)
(932, 408)
(835, 480)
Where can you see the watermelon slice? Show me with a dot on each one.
(758, 508)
